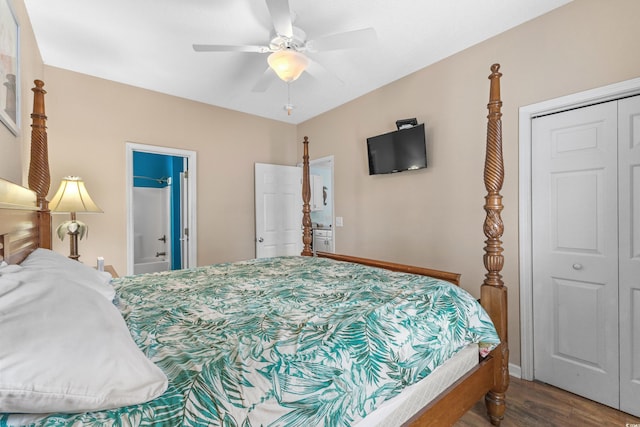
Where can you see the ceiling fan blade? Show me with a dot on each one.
(281, 17)
(347, 40)
(319, 72)
(229, 48)
(266, 80)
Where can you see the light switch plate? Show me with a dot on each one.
(339, 222)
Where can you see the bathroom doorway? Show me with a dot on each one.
(160, 208)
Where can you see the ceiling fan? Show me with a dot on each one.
(288, 45)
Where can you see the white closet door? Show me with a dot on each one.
(575, 251)
(629, 195)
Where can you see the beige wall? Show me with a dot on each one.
(90, 121)
(14, 150)
(433, 217)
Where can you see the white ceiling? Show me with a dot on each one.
(148, 44)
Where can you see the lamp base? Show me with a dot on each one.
(73, 245)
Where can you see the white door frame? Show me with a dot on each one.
(526, 114)
(191, 185)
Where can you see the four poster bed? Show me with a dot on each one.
(234, 365)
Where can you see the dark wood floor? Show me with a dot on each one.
(536, 404)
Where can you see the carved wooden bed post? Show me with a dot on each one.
(39, 178)
(493, 291)
(306, 198)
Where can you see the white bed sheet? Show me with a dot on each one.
(402, 407)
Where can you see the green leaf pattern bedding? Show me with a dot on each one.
(289, 341)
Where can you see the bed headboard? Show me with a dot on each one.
(19, 231)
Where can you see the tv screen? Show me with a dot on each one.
(397, 151)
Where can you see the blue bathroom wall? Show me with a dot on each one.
(152, 170)
(150, 167)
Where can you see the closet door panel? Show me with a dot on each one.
(629, 258)
(575, 251)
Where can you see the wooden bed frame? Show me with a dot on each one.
(25, 224)
(490, 378)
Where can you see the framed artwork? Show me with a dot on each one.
(9, 68)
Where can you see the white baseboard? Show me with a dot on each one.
(515, 371)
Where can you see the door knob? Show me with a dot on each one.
(577, 266)
(260, 240)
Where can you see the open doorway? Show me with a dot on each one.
(322, 209)
(160, 208)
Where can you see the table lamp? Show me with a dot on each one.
(72, 197)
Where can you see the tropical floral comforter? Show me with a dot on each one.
(291, 341)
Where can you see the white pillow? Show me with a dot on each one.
(64, 348)
(52, 262)
(8, 268)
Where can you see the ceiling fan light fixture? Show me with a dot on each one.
(288, 64)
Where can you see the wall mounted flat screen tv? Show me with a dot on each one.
(397, 151)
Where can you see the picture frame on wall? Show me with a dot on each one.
(9, 68)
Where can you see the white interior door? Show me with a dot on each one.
(278, 194)
(575, 251)
(629, 196)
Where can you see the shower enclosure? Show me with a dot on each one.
(152, 233)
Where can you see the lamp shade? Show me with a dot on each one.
(288, 64)
(72, 196)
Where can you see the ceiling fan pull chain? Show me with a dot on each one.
(288, 106)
